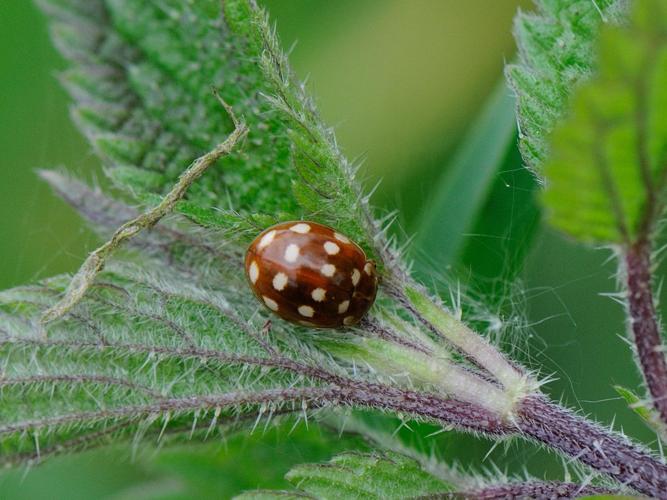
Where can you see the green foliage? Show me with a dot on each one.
(169, 341)
(484, 203)
(143, 355)
(644, 410)
(142, 96)
(140, 75)
(184, 469)
(356, 475)
(606, 173)
(460, 194)
(556, 53)
(169, 344)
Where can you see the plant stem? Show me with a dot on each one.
(451, 379)
(536, 418)
(473, 346)
(607, 453)
(528, 489)
(644, 324)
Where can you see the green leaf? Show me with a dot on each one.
(465, 184)
(160, 348)
(504, 231)
(170, 342)
(169, 339)
(141, 76)
(644, 410)
(556, 53)
(357, 475)
(606, 172)
(142, 356)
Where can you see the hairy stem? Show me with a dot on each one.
(607, 453)
(448, 377)
(537, 419)
(472, 345)
(528, 489)
(644, 324)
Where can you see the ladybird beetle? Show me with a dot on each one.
(310, 274)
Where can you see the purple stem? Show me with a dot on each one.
(523, 490)
(538, 419)
(645, 325)
(592, 445)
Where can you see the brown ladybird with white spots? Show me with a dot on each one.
(310, 274)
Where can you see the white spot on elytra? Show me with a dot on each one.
(253, 272)
(331, 248)
(328, 270)
(368, 268)
(270, 303)
(306, 311)
(318, 294)
(301, 228)
(342, 238)
(292, 252)
(279, 281)
(266, 239)
(356, 276)
(349, 320)
(343, 306)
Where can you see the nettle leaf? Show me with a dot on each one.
(141, 75)
(381, 475)
(608, 158)
(163, 58)
(359, 475)
(169, 340)
(556, 53)
(143, 354)
(168, 344)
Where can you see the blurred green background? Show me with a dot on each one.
(402, 81)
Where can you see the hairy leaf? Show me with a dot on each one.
(143, 354)
(391, 475)
(356, 475)
(555, 54)
(170, 339)
(606, 172)
(154, 350)
(141, 75)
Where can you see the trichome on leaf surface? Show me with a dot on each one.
(158, 336)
